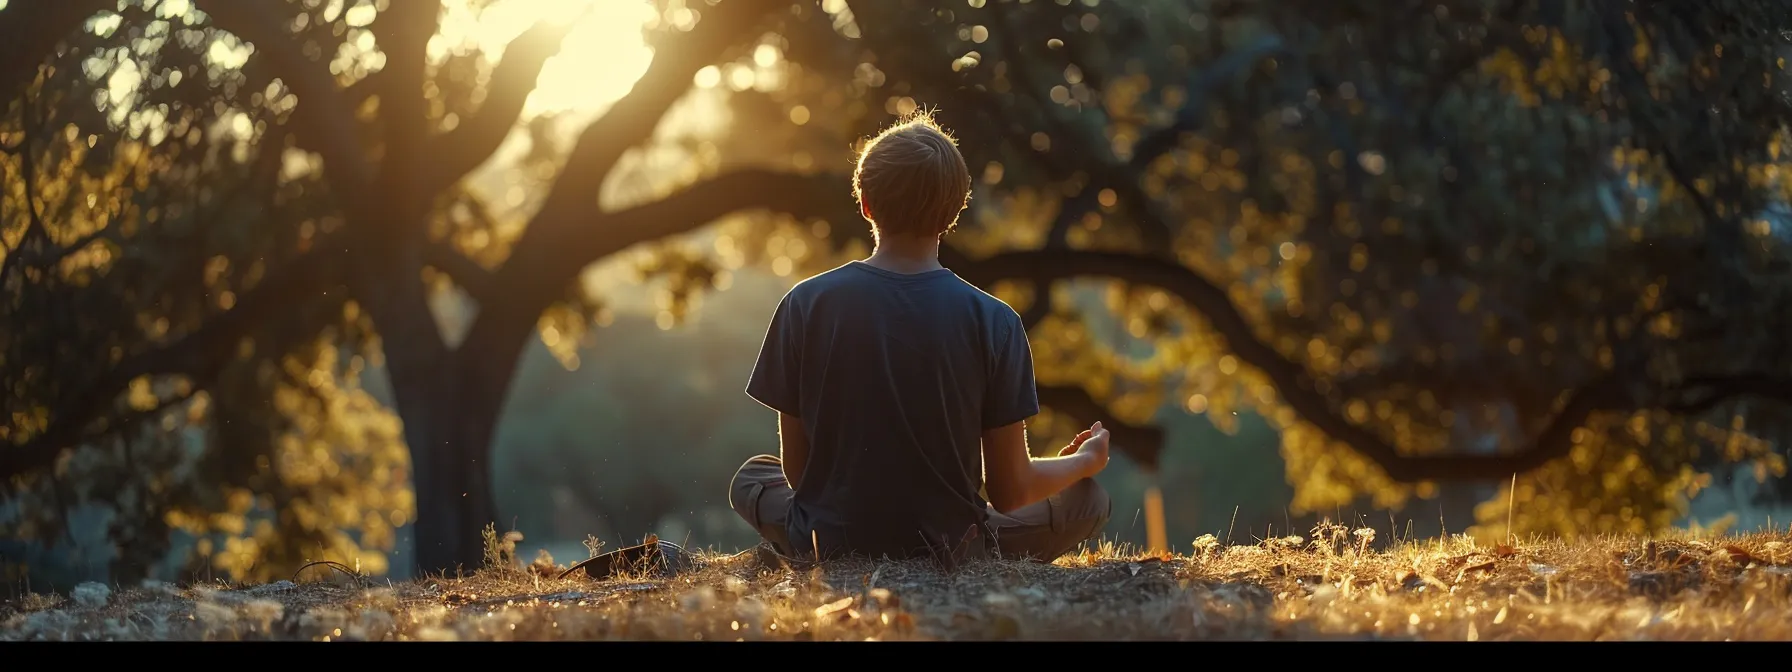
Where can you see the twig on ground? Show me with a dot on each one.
(332, 564)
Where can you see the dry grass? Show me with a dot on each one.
(1330, 587)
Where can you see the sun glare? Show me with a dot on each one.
(600, 60)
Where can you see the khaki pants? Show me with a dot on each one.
(1041, 531)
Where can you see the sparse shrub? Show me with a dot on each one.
(544, 565)
(1329, 536)
(500, 551)
(37, 602)
(1205, 545)
(1364, 537)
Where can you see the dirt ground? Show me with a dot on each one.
(1332, 587)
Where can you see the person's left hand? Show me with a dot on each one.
(1077, 442)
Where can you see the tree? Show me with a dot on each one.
(384, 137)
(116, 219)
(1430, 242)
(1435, 242)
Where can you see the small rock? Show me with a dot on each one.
(882, 597)
(275, 587)
(1413, 582)
(1324, 593)
(92, 595)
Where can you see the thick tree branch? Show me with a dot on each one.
(475, 279)
(553, 249)
(30, 32)
(535, 275)
(474, 141)
(324, 119)
(1292, 381)
(1711, 390)
(1146, 151)
(403, 31)
(199, 354)
(1143, 444)
(797, 195)
(633, 118)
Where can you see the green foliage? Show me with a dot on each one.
(1428, 225)
(1447, 218)
(129, 162)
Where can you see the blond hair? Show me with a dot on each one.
(911, 180)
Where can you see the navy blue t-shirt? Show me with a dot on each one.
(895, 377)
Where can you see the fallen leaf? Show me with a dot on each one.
(836, 606)
(883, 597)
(1411, 581)
(1738, 554)
(1481, 567)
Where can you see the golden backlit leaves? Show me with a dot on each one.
(343, 474)
(1011, 219)
(1345, 288)
(287, 457)
(1327, 474)
(83, 198)
(564, 329)
(1627, 477)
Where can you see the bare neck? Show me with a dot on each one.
(906, 254)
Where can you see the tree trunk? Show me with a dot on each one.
(452, 482)
(450, 415)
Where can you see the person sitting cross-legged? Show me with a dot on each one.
(903, 392)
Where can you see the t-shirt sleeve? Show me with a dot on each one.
(776, 375)
(1011, 395)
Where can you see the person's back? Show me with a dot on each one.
(895, 377)
(892, 376)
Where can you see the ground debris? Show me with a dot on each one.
(1699, 589)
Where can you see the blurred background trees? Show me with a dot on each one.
(272, 269)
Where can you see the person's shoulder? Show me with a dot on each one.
(825, 280)
(991, 305)
(807, 289)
